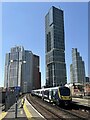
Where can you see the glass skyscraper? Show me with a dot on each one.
(77, 68)
(13, 66)
(22, 69)
(55, 47)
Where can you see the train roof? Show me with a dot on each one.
(51, 88)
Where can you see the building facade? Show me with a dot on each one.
(87, 79)
(55, 48)
(36, 73)
(71, 73)
(19, 69)
(77, 69)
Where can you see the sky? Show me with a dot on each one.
(24, 24)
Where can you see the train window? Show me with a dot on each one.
(64, 91)
(46, 92)
(54, 92)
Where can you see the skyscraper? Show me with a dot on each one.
(19, 69)
(77, 68)
(55, 47)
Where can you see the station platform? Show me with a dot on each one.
(81, 101)
(27, 112)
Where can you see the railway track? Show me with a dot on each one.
(51, 112)
(79, 113)
(43, 110)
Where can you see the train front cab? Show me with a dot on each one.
(64, 95)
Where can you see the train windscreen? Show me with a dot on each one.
(64, 91)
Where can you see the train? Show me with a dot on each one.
(59, 95)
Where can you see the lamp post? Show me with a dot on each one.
(17, 88)
(7, 87)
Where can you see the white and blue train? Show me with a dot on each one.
(59, 95)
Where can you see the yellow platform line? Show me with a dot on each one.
(2, 115)
(28, 114)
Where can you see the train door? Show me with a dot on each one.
(42, 92)
(50, 92)
(46, 94)
(54, 95)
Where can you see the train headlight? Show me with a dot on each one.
(62, 97)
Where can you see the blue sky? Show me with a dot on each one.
(24, 24)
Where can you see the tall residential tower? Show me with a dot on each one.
(55, 47)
